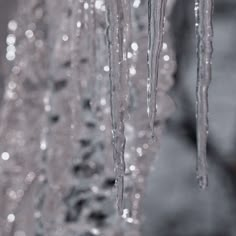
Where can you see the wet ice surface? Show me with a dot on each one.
(156, 20)
(204, 37)
(118, 75)
(222, 92)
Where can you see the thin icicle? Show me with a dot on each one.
(156, 18)
(75, 37)
(204, 35)
(42, 178)
(90, 27)
(118, 87)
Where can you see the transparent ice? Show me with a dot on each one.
(204, 36)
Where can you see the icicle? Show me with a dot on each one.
(204, 35)
(75, 33)
(42, 178)
(156, 17)
(43, 185)
(92, 44)
(43, 182)
(118, 87)
(89, 31)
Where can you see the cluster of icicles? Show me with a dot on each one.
(118, 33)
(118, 38)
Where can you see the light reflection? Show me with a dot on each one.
(103, 102)
(65, 37)
(11, 194)
(132, 71)
(102, 127)
(12, 25)
(125, 213)
(166, 58)
(79, 24)
(164, 46)
(95, 231)
(11, 50)
(106, 68)
(11, 39)
(134, 46)
(43, 145)
(139, 150)
(86, 6)
(11, 218)
(29, 34)
(132, 168)
(130, 220)
(10, 56)
(129, 55)
(136, 3)
(5, 156)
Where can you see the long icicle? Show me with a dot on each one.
(204, 35)
(75, 38)
(156, 18)
(118, 89)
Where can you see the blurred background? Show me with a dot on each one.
(173, 204)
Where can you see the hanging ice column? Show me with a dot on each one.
(117, 43)
(156, 18)
(204, 35)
